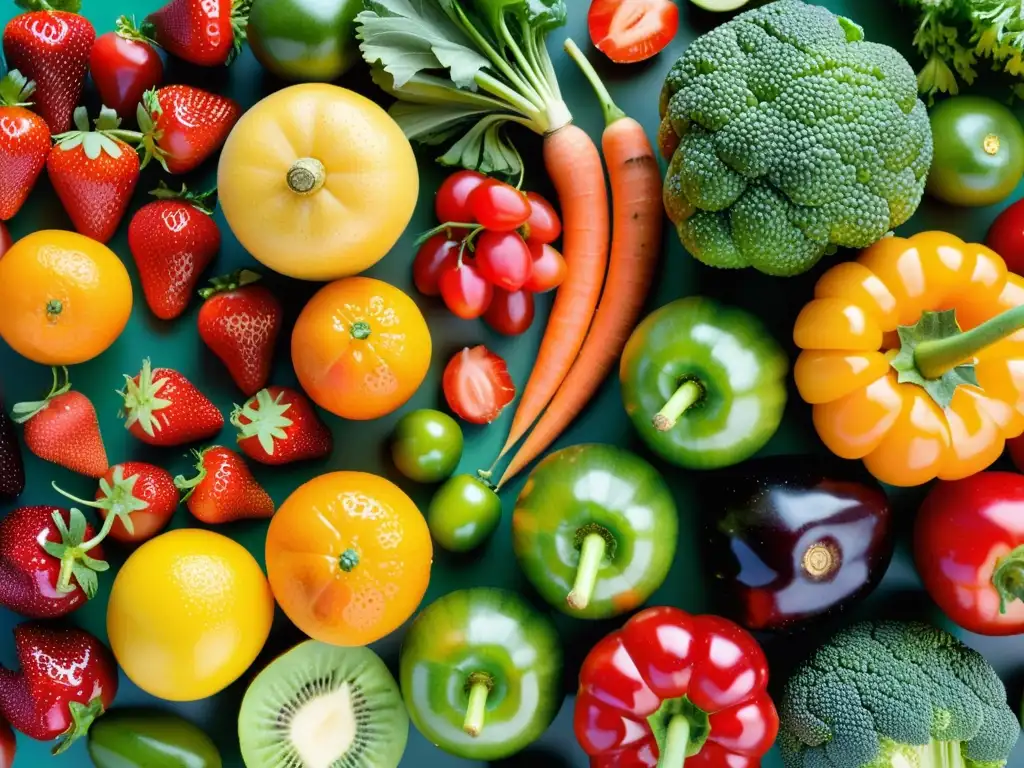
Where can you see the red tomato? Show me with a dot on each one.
(465, 291)
(543, 226)
(123, 70)
(510, 313)
(499, 206)
(5, 239)
(1006, 237)
(549, 269)
(477, 385)
(503, 259)
(434, 256)
(452, 201)
(627, 31)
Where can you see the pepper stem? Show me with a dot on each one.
(476, 708)
(688, 393)
(677, 740)
(306, 176)
(611, 111)
(1008, 578)
(591, 554)
(934, 358)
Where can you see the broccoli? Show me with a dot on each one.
(892, 694)
(789, 135)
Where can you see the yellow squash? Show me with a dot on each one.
(317, 182)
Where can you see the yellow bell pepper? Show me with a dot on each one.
(913, 358)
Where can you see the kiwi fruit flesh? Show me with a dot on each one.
(719, 6)
(321, 706)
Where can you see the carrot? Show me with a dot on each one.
(638, 215)
(574, 166)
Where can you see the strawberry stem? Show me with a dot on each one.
(70, 6)
(239, 26)
(201, 201)
(105, 138)
(16, 90)
(146, 115)
(266, 420)
(82, 717)
(117, 498)
(189, 485)
(125, 28)
(72, 551)
(140, 399)
(25, 411)
(232, 282)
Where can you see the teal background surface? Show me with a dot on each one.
(362, 446)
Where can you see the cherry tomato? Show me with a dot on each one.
(549, 269)
(452, 201)
(477, 385)
(627, 31)
(465, 291)
(1006, 237)
(510, 313)
(124, 68)
(5, 239)
(543, 226)
(434, 256)
(503, 259)
(499, 206)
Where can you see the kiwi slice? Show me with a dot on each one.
(320, 706)
(719, 6)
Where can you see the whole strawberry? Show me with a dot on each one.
(50, 45)
(162, 407)
(224, 489)
(24, 143)
(49, 558)
(209, 33)
(279, 425)
(63, 428)
(94, 173)
(183, 126)
(240, 322)
(141, 498)
(124, 64)
(173, 240)
(12, 467)
(68, 678)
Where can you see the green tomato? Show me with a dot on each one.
(704, 384)
(481, 673)
(305, 40)
(595, 530)
(427, 445)
(463, 513)
(979, 151)
(148, 738)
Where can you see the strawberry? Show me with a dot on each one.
(209, 33)
(49, 558)
(182, 126)
(68, 678)
(94, 173)
(51, 45)
(240, 322)
(63, 428)
(279, 425)
(24, 143)
(141, 498)
(173, 240)
(12, 467)
(164, 408)
(224, 489)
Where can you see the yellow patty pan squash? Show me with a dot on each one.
(317, 182)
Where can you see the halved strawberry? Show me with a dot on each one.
(477, 385)
(627, 31)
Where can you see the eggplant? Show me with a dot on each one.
(796, 538)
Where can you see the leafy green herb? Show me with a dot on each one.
(464, 70)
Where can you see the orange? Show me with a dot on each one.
(348, 557)
(64, 298)
(360, 348)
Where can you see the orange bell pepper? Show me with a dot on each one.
(913, 358)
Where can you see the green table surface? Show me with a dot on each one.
(176, 344)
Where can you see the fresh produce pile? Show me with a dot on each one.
(250, 546)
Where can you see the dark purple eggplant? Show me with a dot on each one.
(12, 468)
(794, 538)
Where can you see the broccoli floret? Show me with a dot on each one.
(893, 694)
(788, 134)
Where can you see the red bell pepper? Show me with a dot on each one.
(670, 688)
(969, 550)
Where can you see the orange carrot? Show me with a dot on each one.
(637, 225)
(574, 165)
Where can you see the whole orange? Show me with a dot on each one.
(360, 348)
(64, 298)
(348, 558)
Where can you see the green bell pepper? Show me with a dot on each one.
(704, 384)
(594, 530)
(305, 40)
(140, 738)
(481, 673)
